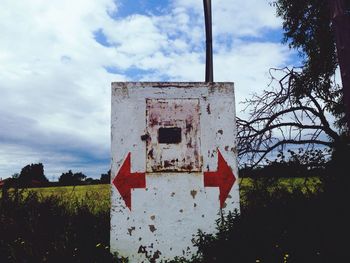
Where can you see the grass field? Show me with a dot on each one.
(100, 191)
(279, 217)
(97, 197)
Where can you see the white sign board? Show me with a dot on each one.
(174, 166)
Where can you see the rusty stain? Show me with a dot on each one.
(173, 113)
(152, 228)
(167, 164)
(189, 145)
(188, 167)
(151, 258)
(130, 230)
(189, 126)
(153, 217)
(161, 153)
(156, 255)
(193, 193)
(208, 108)
(142, 249)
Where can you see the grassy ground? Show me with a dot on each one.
(282, 220)
(98, 196)
(101, 192)
(79, 191)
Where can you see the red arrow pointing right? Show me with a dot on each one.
(222, 178)
(125, 181)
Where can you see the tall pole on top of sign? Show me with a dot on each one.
(209, 75)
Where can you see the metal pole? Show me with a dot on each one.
(209, 75)
(341, 27)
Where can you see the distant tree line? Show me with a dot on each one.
(33, 175)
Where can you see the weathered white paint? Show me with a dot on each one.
(166, 215)
(168, 113)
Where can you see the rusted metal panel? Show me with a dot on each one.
(173, 116)
(156, 210)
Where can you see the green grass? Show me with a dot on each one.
(100, 191)
(72, 224)
(311, 184)
(98, 196)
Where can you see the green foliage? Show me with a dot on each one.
(292, 164)
(47, 229)
(30, 173)
(307, 28)
(96, 197)
(279, 222)
(279, 226)
(71, 178)
(106, 178)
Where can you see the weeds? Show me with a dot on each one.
(51, 229)
(278, 223)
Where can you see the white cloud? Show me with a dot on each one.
(238, 18)
(55, 91)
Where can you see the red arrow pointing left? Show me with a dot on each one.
(125, 181)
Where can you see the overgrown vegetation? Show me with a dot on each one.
(34, 228)
(280, 226)
(280, 221)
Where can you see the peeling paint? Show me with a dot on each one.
(193, 193)
(208, 108)
(175, 199)
(180, 114)
(130, 230)
(152, 228)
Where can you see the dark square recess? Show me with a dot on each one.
(169, 135)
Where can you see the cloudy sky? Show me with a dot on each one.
(58, 58)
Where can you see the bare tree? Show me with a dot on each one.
(285, 116)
